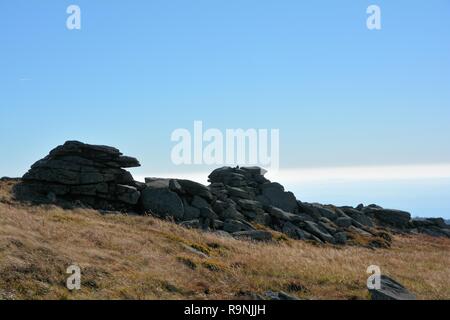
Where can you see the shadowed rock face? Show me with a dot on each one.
(391, 290)
(91, 174)
(237, 202)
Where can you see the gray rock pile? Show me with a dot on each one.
(89, 174)
(239, 202)
(436, 227)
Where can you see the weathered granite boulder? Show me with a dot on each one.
(439, 222)
(91, 174)
(391, 290)
(158, 199)
(343, 222)
(249, 183)
(184, 201)
(359, 216)
(232, 226)
(274, 194)
(194, 189)
(295, 232)
(322, 234)
(394, 218)
(436, 227)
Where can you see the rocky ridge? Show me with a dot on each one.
(87, 174)
(239, 202)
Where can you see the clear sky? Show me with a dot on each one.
(341, 95)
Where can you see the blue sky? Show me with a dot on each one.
(340, 94)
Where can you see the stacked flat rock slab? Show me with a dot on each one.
(90, 174)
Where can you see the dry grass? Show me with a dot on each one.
(125, 257)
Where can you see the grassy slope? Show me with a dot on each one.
(124, 257)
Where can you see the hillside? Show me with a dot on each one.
(141, 257)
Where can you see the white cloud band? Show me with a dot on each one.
(353, 173)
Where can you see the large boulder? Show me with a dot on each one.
(195, 189)
(162, 202)
(359, 216)
(182, 200)
(294, 232)
(439, 222)
(435, 227)
(75, 171)
(232, 226)
(391, 290)
(249, 183)
(343, 222)
(393, 218)
(273, 194)
(283, 215)
(199, 202)
(314, 229)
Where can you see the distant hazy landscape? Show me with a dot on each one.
(422, 198)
